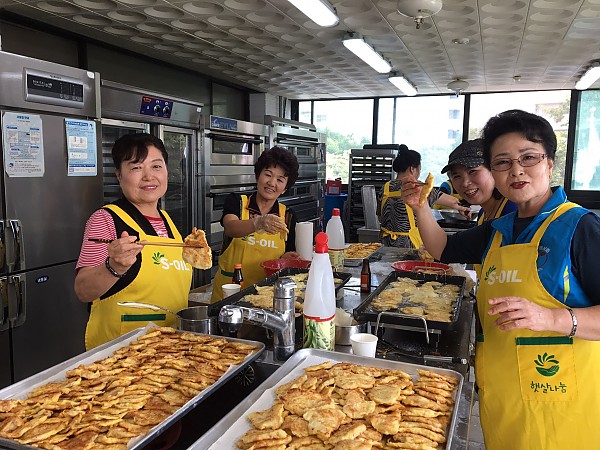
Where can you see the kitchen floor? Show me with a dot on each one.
(475, 433)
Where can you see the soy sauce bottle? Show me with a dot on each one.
(238, 278)
(365, 277)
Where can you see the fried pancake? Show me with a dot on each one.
(325, 420)
(357, 406)
(271, 418)
(298, 401)
(385, 394)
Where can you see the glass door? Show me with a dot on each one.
(111, 131)
(180, 144)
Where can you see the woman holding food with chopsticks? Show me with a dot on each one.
(124, 270)
(258, 228)
(397, 221)
(538, 357)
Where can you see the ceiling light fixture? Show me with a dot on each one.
(403, 84)
(320, 12)
(458, 86)
(419, 9)
(589, 77)
(357, 45)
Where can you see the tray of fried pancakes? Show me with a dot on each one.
(327, 400)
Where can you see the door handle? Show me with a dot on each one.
(4, 322)
(16, 302)
(3, 268)
(17, 230)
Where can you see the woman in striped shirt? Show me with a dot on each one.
(398, 225)
(123, 270)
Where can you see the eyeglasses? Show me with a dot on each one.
(526, 160)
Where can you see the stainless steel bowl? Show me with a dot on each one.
(452, 216)
(197, 320)
(342, 334)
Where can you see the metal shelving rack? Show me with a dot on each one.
(368, 166)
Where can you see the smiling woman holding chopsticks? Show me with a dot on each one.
(123, 269)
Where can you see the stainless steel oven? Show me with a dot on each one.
(228, 150)
(307, 196)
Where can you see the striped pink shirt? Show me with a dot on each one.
(100, 225)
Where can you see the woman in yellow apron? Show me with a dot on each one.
(397, 221)
(254, 226)
(538, 356)
(124, 270)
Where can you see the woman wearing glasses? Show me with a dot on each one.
(538, 296)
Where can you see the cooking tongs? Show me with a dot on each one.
(162, 244)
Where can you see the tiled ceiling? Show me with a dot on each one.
(270, 46)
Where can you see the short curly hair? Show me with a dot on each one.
(135, 147)
(278, 157)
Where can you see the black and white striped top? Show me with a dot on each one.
(395, 218)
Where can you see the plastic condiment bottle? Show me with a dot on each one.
(237, 278)
(335, 234)
(319, 300)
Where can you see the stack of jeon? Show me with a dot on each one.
(105, 404)
(353, 407)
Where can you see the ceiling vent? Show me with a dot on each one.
(419, 9)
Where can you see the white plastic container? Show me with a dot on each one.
(319, 300)
(336, 240)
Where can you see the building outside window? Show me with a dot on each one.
(348, 124)
(430, 125)
(586, 157)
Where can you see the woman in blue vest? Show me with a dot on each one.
(538, 358)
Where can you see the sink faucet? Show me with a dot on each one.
(280, 320)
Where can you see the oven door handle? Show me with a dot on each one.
(219, 137)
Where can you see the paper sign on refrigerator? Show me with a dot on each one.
(81, 147)
(23, 145)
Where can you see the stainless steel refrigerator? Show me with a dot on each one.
(51, 182)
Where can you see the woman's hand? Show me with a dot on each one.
(123, 252)
(518, 312)
(411, 192)
(269, 223)
(464, 211)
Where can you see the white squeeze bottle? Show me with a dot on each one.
(319, 300)
(335, 234)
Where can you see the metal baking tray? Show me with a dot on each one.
(356, 262)
(227, 431)
(365, 310)
(238, 298)
(58, 372)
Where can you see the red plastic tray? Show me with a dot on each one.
(420, 266)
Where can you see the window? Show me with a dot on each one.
(552, 105)
(304, 112)
(586, 155)
(348, 124)
(430, 125)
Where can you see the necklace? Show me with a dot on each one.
(487, 217)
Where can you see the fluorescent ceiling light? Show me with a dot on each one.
(589, 77)
(319, 11)
(403, 84)
(357, 45)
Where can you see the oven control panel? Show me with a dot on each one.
(156, 107)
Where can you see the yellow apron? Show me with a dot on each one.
(164, 279)
(483, 218)
(537, 390)
(249, 251)
(413, 233)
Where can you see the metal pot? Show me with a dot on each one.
(195, 318)
(343, 333)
